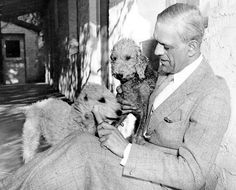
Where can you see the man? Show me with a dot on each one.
(188, 115)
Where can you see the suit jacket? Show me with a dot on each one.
(185, 133)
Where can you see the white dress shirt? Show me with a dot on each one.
(179, 78)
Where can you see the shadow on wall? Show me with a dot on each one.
(116, 28)
(69, 76)
(77, 62)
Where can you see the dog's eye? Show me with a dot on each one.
(127, 58)
(102, 100)
(86, 98)
(113, 58)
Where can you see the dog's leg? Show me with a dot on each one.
(138, 136)
(144, 92)
(31, 137)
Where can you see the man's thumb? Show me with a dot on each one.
(97, 114)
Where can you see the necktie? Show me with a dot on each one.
(163, 91)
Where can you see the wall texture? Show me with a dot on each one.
(221, 39)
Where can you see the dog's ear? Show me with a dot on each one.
(141, 65)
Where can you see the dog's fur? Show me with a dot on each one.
(55, 119)
(131, 67)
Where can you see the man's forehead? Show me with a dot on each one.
(165, 33)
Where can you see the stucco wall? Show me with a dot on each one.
(34, 70)
(222, 54)
(134, 19)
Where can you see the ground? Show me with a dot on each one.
(12, 99)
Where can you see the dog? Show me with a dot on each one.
(55, 119)
(137, 81)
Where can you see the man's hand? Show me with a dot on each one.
(110, 136)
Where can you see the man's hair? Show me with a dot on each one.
(187, 19)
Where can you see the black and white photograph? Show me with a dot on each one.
(117, 94)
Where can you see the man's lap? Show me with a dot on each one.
(76, 163)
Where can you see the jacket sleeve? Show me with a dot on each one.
(189, 167)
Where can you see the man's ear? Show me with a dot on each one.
(194, 48)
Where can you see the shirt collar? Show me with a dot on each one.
(186, 72)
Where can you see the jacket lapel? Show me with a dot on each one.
(177, 98)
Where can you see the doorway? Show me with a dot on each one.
(13, 58)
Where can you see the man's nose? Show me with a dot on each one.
(159, 50)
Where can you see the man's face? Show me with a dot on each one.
(173, 53)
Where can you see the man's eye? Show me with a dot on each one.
(166, 48)
(127, 58)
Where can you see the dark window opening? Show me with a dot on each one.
(12, 48)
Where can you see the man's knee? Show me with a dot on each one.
(85, 141)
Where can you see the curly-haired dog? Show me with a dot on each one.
(54, 119)
(137, 80)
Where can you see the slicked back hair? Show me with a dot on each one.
(186, 18)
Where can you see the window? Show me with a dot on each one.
(12, 48)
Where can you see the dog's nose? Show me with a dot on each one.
(118, 76)
(119, 112)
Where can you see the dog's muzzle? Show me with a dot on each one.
(118, 76)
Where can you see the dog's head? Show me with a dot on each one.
(95, 94)
(127, 60)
